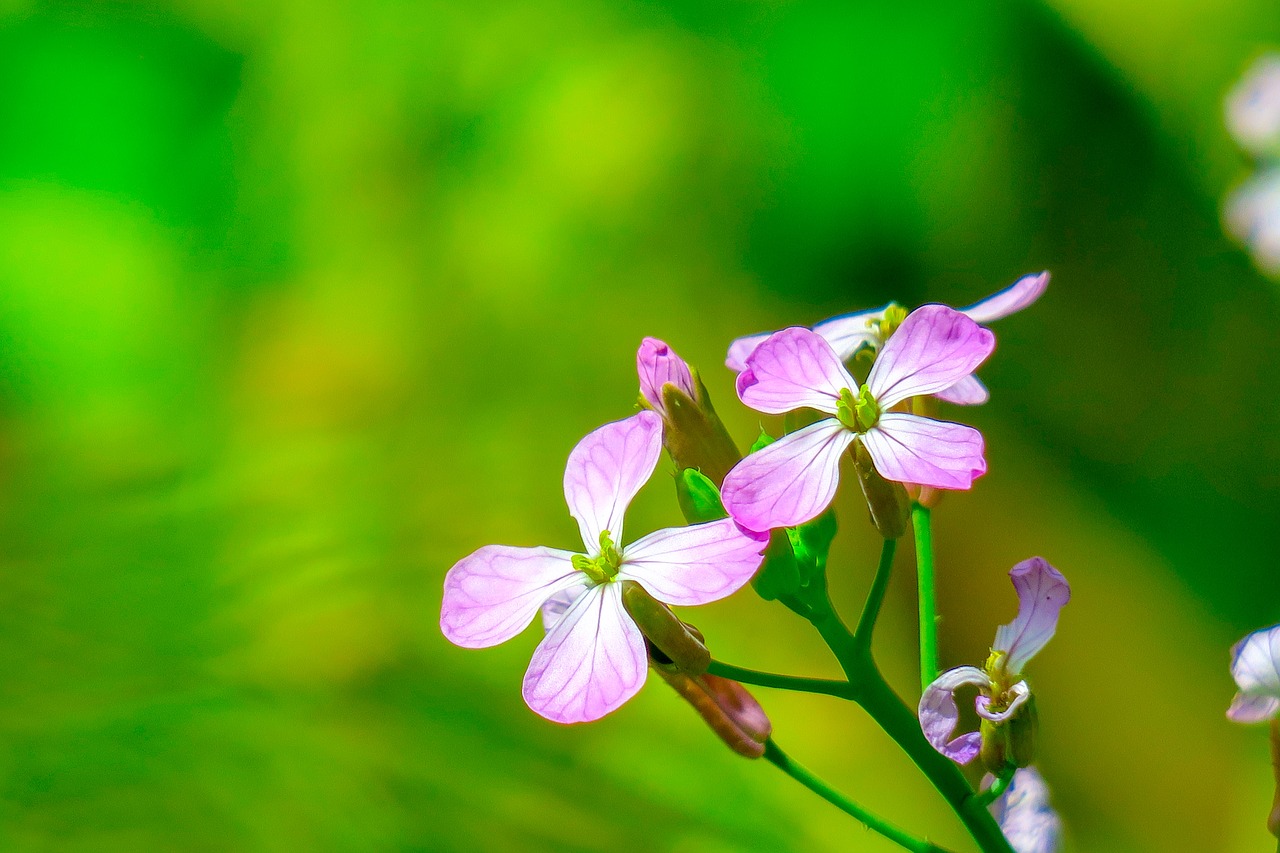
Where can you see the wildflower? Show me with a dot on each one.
(1253, 108)
(1255, 665)
(793, 479)
(1252, 217)
(1003, 694)
(593, 657)
(1027, 820)
(849, 333)
(694, 435)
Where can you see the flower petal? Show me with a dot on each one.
(790, 481)
(555, 606)
(1011, 300)
(1255, 662)
(849, 332)
(493, 594)
(604, 472)
(696, 564)
(591, 661)
(912, 449)
(657, 364)
(793, 369)
(1042, 593)
(934, 348)
(969, 391)
(1252, 708)
(939, 714)
(741, 349)
(1021, 693)
(1027, 820)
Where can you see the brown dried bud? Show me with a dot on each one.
(726, 706)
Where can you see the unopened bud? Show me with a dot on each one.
(695, 436)
(698, 497)
(888, 502)
(726, 706)
(677, 641)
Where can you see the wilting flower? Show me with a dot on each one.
(1027, 820)
(850, 332)
(792, 480)
(1002, 692)
(1253, 108)
(1252, 216)
(593, 658)
(1255, 665)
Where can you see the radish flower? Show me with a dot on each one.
(592, 658)
(793, 480)
(848, 333)
(1002, 692)
(1027, 820)
(1255, 665)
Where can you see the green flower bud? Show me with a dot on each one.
(887, 501)
(698, 497)
(694, 435)
(677, 642)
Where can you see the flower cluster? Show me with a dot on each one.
(1252, 211)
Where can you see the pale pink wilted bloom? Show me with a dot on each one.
(1028, 822)
(1255, 665)
(850, 332)
(793, 480)
(657, 364)
(1253, 107)
(1042, 593)
(593, 658)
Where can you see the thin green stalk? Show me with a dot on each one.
(998, 786)
(875, 597)
(802, 775)
(928, 596)
(782, 682)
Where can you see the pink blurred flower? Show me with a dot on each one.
(592, 658)
(850, 332)
(793, 480)
(1042, 593)
(1255, 665)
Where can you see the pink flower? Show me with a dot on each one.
(793, 480)
(1042, 593)
(1255, 665)
(658, 365)
(592, 658)
(850, 332)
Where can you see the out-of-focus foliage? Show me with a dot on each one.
(300, 302)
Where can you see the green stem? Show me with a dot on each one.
(782, 682)
(928, 596)
(870, 690)
(875, 597)
(802, 775)
(998, 786)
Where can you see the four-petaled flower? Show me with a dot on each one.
(1042, 593)
(592, 658)
(1255, 665)
(1028, 822)
(793, 480)
(848, 333)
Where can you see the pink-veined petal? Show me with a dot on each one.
(934, 348)
(1042, 593)
(1011, 300)
(790, 481)
(1021, 693)
(1252, 708)
(741, 349)
(939, 714)
(604, 472)
(793, 369)
(849, 332)
(969, 391)
(591, 661)
(657, 364)
(493, 594)
(555, 606)
(911, 449)
(696, 564)
(1255, 662)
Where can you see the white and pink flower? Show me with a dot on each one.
(1255, 666)
(593, 658)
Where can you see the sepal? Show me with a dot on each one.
(699, 498)
(695, 436)
(887, 501)
(680, 644)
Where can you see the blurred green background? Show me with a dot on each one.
(301, 302)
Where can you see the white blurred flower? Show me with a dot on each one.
(1252, 216)
(1025, 816)
(1253, 107)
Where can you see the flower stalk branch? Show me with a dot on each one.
(928, 595)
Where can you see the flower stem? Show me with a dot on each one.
(998, 786)
(875, 597)
(928, 597)
(802, 775)
(781, 682)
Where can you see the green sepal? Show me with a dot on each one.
(763, 441)
(887, 501)
(694, 435)
(1023, 729)
(811, 543)
(779, 574)
(698, 497)
(665, 631)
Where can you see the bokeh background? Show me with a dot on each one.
(301, 302)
